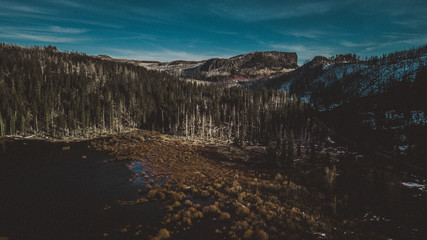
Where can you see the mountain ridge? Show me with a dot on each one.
(244, 67)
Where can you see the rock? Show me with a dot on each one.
(244, 67)
(251, 64)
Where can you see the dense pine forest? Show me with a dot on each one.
(45, 92)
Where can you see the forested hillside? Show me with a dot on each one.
(378, 102)
(45, 92)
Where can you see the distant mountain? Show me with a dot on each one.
(246, 67)
(381, 101)
(317, 79)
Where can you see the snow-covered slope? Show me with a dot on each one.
(381, 100)
(348, 76)
(373, 77)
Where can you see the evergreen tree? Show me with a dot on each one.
(44, 91)
(299, 149)
(291, 148)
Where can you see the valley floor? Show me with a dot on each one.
(193, 189)
(233, 191)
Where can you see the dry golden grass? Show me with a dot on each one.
(252, 204)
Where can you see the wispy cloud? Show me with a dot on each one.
(357, 45)
(58, 29)
(51, 11)
(412, 23)
(67, 3)
(402, 35)
(44, 29)
(51, 34)
(393, 43)
(39, 38)
(137, 37)
(20, 8)
(224, 32)
(254, 11)
(311, 34)
(390, 39)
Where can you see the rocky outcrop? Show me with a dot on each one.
(246, 67)
(174, 68)
(353, 76)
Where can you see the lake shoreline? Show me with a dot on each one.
(219, 190)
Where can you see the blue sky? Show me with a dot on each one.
(166, 30)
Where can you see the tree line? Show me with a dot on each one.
(47, 92)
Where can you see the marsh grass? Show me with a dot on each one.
(249, 203)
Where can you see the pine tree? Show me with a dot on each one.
(2, 126)
(68, 93)
(291, 147)
(284, 153)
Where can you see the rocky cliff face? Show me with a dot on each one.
(246, 67)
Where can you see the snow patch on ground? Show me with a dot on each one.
(418, 186)
(373, 76)
(286, 86)
(371, 217)
(417, 118)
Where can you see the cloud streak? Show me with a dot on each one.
(51, 34)
(13, 7)
(57, 29)
(254, 11)
(310, 34)
(39, 38)
(357, 45)
(67, 3)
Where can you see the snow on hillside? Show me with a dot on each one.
(373, 76)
